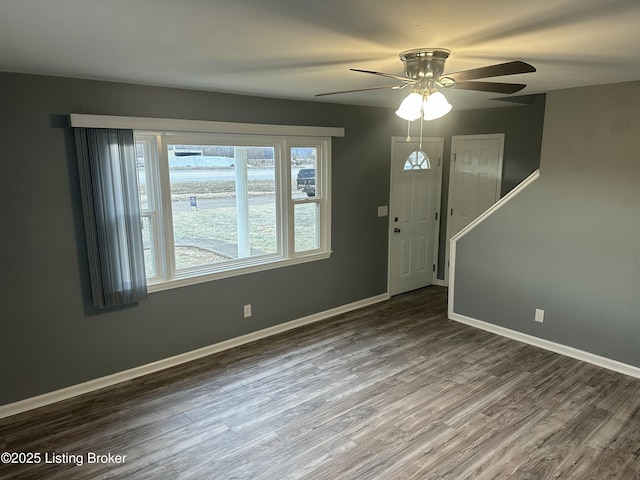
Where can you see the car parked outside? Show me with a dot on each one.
(306, 177)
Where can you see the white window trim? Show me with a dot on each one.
(203, 126)
(287, 137)
(255, 267)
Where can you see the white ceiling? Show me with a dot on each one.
(297, 48)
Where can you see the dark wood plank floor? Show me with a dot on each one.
(391, 391)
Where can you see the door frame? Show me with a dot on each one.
(394, 141)
(493, 136)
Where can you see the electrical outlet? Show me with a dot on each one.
(247, 310)
(539, 315)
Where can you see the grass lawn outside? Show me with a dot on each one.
(207, 234)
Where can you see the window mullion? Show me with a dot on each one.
(289, 235)
(166, 215)
(283, 185)
(242, 201)
(325, 186)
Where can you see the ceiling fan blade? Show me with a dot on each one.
(387, 87)
(389, 75)
(490, 87)
(498, 70)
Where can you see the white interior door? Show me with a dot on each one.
(414, 214)
(474, 180)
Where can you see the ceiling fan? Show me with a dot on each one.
(423, 70)
(424, 73)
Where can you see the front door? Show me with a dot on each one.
(414, 213)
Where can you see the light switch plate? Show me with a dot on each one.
(383, 211)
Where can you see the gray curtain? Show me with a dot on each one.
(109, 187)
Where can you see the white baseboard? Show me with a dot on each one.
(549, 345)
(98, 383)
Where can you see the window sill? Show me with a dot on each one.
(194, 279)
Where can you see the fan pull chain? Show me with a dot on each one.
(408, 139)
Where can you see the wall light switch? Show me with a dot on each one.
(383, 211)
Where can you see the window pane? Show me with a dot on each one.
(262, 205)
(149, 254)
(306, 226)
(142, 159)
(223, 202)
(303, 172)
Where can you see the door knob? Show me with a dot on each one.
(396, 230)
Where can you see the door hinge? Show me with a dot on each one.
(436, 216)
(439, 161)
(452, 211)
(434, 267)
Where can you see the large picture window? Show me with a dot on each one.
(218, 205)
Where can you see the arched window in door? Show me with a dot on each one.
(417, 160)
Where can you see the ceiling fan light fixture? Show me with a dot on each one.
(436, 106)
(411, 107)
(424, 72)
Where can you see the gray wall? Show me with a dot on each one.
(570, 243)
(50, 335)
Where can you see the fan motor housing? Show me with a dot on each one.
(424, 63)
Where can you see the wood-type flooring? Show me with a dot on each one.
(391, 391)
